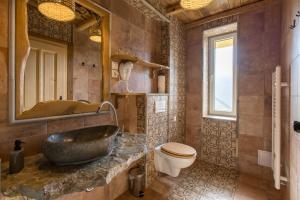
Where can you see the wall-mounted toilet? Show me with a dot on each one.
(171, 157)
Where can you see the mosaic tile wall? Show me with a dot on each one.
(156, 130)
(165, 44)
(176, 81)
(138, 115)
(218, 143)
(141, 115)
(146, 10)
(167, 126)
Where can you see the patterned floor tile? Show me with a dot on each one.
(204, 181)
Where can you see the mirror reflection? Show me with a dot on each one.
(63, 72)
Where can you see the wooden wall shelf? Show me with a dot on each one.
(128, 94)
(137, 60)
(139, 94)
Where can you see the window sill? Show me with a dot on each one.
(220, 117)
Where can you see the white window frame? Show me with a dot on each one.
(211, 69)
(220, 31)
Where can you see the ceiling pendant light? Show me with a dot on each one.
(194, 4)
(95, 35)
(59, 10)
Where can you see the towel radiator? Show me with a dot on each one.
(276, 126)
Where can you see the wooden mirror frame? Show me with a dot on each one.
(19, 48)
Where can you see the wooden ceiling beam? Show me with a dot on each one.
(87, 24)
(149, 6)
(174, 9)
(235, 11)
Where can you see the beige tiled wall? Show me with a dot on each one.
(135, 33)
(294, 136)
(258, 54)
(87, 80)
(205, 135)
(130, 30)
(290, 61)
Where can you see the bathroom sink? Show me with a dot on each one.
(80, 146)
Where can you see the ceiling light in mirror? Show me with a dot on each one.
(194, 4)
(60, 10)
(95, 35)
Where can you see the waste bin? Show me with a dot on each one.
(137, 181)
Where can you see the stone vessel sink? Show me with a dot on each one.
(80, 146)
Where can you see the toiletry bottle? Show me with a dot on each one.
(16, 162)
(161, 81)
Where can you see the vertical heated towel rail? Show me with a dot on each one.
(276, 125)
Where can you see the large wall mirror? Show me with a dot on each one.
(59, 59)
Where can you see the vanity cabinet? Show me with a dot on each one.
(114, 189)
(97, 193)
(105, 179)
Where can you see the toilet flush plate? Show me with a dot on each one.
(160, 106)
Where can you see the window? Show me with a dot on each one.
(222, 75)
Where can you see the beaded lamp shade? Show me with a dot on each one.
(194, 4)
(60, 10)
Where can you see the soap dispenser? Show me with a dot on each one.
(16, 161)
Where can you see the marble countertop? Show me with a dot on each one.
(42, 180)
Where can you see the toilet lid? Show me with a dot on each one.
(178, 150)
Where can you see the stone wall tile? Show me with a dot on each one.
(251, 125)
(57, 126)
(3, 71)
(249, 145)
(251, 84)
(251, 105)
(4, 24)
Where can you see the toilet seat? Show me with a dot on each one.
(178, 150)
(170, 158)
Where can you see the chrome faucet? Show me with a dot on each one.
(114, 109)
